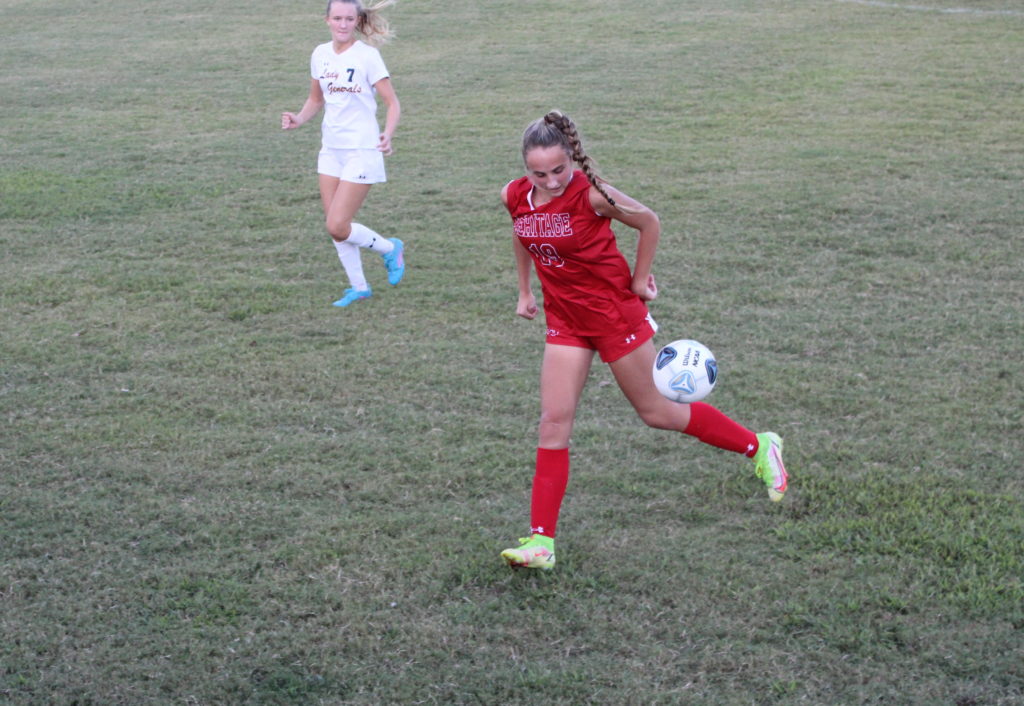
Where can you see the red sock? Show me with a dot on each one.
(712, 427)
(549, 481)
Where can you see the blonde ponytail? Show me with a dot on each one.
(371, 24)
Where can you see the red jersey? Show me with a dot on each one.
(583, 276)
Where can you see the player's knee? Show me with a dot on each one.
(650, 418)
(339, 228)
(555, 418)
(657, 418)
(555, 427)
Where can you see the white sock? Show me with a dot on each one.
(352, 261)
(363, 237)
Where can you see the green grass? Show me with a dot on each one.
(215, 488)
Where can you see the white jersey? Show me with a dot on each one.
(350, 102)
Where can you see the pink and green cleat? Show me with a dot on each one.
(536, 552)
(768, 464)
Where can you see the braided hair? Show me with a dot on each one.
(556, 128)
(371, 24)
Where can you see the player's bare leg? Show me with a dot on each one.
(563, 374)
(341, 200)
(633, 374)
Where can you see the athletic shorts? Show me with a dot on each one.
(357, 166)
(610, 347)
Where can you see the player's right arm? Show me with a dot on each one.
(527, 304)
(314, 102)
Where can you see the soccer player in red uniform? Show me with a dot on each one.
(561, 219)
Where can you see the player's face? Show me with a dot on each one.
(341, 19)
(549, 169)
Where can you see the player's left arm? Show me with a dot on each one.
(393, 113)
(647, 224)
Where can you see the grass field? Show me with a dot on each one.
(216, 488)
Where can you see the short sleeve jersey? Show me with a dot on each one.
(350, 101)
(583, 275)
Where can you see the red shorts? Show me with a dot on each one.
(611, 346)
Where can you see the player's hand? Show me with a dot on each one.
(527, 306)
(648, 291)
(289, 121)
(384, 144)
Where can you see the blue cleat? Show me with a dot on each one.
(352, 295)
(395, 262)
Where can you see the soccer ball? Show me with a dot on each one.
(685, 371)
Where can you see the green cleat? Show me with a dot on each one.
(769, 468)
(536, 552)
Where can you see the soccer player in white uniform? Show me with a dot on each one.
(347, 76)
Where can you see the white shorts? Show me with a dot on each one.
(357, 166)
